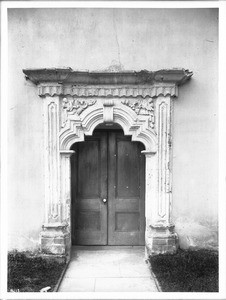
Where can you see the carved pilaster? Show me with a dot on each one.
(65, 174)
(52, 180)
(54, 236)
(163, 112)
(160, 235)
(151, 188)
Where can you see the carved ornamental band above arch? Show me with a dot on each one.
(86, 99)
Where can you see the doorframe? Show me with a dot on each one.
(75, 103)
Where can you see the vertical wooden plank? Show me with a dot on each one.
(103, 185)
(112, 160)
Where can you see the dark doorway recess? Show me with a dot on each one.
(108, 190)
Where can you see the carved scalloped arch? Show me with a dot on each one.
(75, 131)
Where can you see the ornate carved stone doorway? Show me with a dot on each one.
(74, 104)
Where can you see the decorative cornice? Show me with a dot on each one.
(119, 92)
(68, 76)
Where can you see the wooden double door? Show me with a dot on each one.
(107, 184)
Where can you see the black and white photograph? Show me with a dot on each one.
(113, 150)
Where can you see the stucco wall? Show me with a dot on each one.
(136, 39)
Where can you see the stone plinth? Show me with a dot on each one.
(55, 239)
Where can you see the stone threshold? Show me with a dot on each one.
(91, 248)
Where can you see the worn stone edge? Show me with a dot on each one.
(61, 278)
(153, 275)
(67, 75)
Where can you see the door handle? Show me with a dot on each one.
(104, 200)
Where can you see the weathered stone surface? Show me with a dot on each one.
(55, 240)
(68, 76)
(161, 239)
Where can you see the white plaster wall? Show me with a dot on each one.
(94, 39)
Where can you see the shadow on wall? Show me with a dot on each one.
(193, 234)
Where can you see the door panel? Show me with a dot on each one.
(127, 168)
(88, 169)
(108, 165)
(89, 187)
(125, 191)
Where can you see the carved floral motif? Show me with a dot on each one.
(142, 107)
(74, 105)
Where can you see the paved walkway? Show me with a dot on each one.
(108, 269)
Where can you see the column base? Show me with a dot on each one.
(161, 239)
(55, 239)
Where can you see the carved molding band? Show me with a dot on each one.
(141, 91)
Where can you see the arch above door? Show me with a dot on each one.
(74, 103)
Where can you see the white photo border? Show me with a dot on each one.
(5, 5)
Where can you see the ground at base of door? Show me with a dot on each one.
(192, 270)
(111, 269)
